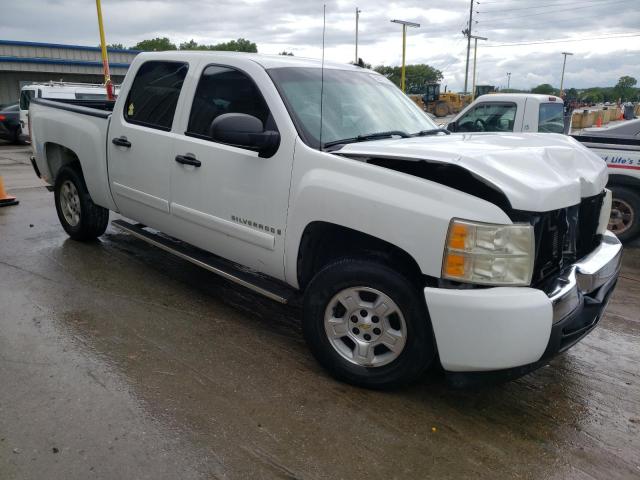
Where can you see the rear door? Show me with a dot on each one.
(235, 202)
(140, 142)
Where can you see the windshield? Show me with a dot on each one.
(355, 104)
(551, 118)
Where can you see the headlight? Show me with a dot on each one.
(489, 254)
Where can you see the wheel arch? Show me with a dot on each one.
(322, 242)
(617, 180)
(58, 156)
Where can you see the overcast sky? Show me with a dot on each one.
(296, 26)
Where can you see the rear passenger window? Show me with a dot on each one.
(154, 94)
(225, 90)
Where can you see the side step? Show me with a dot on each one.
(269, 287)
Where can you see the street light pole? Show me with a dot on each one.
(358, 11)
(467, 33)
(404, 24)
(564, 63)
(475, 52)
(508, 80)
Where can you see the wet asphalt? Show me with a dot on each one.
(119, 361)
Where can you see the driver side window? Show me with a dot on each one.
(225, 90)
(489, 117)
(471, 121)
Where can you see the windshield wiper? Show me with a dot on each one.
(368, 136)
(432, 131)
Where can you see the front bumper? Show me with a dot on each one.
(484, 335)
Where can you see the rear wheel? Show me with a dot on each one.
(367, 324)
(81, 218)
(625, 208)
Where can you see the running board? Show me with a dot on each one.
(270, 288)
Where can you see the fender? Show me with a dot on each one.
(406, 211)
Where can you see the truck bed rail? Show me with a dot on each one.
(94, 108)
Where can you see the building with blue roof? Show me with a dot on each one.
(22, 63)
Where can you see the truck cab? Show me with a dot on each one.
(511, 112)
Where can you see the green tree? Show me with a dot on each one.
(592, 95)
(158, 44)
(416, 76)
(116, 45)
(286, 54)
(544, 89)
(192, 45)
(239, 45)
(624, 89)
(571, 94)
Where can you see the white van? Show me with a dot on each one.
(58, 91)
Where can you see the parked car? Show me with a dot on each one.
(409, 246)
(618, 145)
(10, 123)
(78, 93)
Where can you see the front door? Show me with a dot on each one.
(233, 203)
(140, 143)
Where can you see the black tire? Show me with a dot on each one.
(419, 350)
(93, 218)
(441, 109)
(625, 202)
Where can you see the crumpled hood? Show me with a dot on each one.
(536, 171)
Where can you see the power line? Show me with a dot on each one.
(561, 4)
(607, 2)
(621, 35)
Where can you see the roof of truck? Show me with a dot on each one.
(505, 97)
(266, 61)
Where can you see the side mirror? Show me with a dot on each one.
(242, 130)
(452, 126)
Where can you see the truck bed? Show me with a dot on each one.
(60, 128)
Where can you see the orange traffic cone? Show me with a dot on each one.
(6, 200)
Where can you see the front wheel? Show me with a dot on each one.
(81, 218)
(367, 324)
(625, 209)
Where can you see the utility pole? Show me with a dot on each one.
(105, 57)
(475, 52)
(564, 63)
(358, 12)
(404, 24)
(467, 33)
(508, 80)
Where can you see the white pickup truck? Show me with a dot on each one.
(618, 146)
(410, 246)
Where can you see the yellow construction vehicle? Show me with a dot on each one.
(447, 103)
